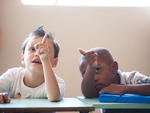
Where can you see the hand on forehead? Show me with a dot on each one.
(89, 57)
(42, 41)
(85, 53)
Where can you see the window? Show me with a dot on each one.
(90, 3)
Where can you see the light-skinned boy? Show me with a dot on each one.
(101, 75)
(37, 78)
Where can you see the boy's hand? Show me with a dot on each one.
(42, 48)
(114, 89)
(90, 56)
(4, 98)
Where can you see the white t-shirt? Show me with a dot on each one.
(12, 82)
(133, 77)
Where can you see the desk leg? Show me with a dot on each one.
(84, 111)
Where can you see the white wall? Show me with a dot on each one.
(124, 31)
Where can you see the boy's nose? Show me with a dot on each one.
(96, 77)
(36, 53)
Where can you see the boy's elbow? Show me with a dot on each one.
(54, 99)
(89, 94)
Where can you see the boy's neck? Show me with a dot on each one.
(33, 80)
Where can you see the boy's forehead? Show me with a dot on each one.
(35, 40)
(100, 60)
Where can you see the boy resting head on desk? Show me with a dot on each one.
(100, 75)
(37, 78)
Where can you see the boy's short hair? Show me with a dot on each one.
(40, 33)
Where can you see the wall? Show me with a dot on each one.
(124, 31)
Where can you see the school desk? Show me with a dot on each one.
(95, 103)
(43, 105)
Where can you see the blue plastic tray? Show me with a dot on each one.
(125, 98)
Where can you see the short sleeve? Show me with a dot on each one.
(134, 77)
(141, 78)
(5, 81)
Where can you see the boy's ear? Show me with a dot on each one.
(115, 67)
(22, 58)
(55, 62)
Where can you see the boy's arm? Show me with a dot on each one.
(137, 83)
(88, 83)
(51, 84)
(142, 89)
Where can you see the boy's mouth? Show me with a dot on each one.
(37, 61)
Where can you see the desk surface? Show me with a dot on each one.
(67, 104)
(97, 104)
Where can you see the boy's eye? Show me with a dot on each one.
(32, 49)
(97, 69)
(83, 72)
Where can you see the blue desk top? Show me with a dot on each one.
(95, 102)
(125, 98)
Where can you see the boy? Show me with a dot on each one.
(100, 75)
(37, 78)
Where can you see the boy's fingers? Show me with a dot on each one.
(87, 53)
(44, 38)
(82, 51)
(101, 92)
(1, 99)
(90, 53)
(6, 98)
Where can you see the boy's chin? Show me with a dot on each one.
(38, 72)
(37, 69)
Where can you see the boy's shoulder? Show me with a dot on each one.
(133, 77)
(15, 69)
(12, 75)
